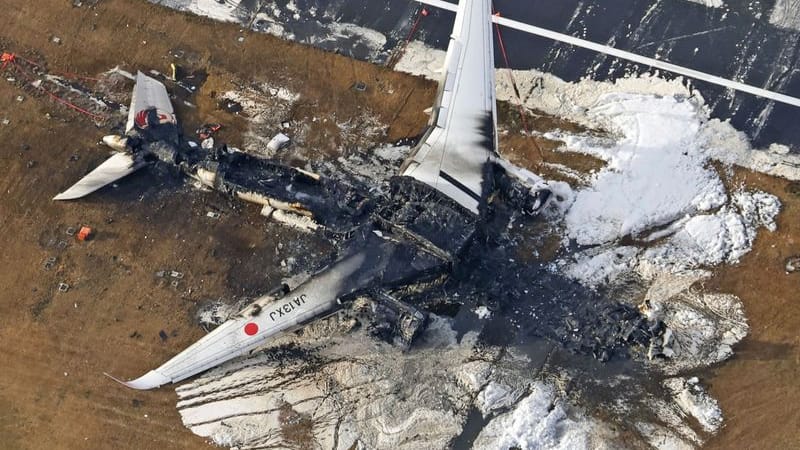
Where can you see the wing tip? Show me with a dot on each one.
(150, 380)
(63, 196)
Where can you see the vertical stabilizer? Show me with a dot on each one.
(462, 137)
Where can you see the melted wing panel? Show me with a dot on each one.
(453, 154)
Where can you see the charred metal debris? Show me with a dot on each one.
(423, 251)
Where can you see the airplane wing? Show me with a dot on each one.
(453, 154)
(112, 169)
(151, 112)
(265, 318)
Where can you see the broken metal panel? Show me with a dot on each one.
(207, 177)
(333, 204)
(427, 217)
(404, 321)
(111, 170)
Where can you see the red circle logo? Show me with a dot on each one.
(250, 329)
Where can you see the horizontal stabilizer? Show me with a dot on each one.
(112, 169)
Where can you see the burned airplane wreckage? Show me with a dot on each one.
(439, 236)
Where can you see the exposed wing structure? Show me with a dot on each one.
(265, 318)
(112, 169)
(462, 138)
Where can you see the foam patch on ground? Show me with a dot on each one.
(656, 170)
(786, 14)
(725, 236)
(695, 402)
(709, 3)
(659, 194)
(227, 11)
(538, 421)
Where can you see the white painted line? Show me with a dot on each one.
(628, 56)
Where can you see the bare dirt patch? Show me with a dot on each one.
(757, 389)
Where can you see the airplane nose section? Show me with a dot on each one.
(118, 143)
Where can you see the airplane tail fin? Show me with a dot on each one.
(462, 139)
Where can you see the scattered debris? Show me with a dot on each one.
(173, 72)
(483, 312)
(56, 40)
(793, 188)
(176, 275)
(280, 141)
(230, 106)
(793, 264)
(208, 130)
(50, 262)
(85, 234)
(213, 214)
(207, 144)
(63, 287)
(79, 93)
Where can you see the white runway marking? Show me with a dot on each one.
(628, 56)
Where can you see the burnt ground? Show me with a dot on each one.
(56, 345)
